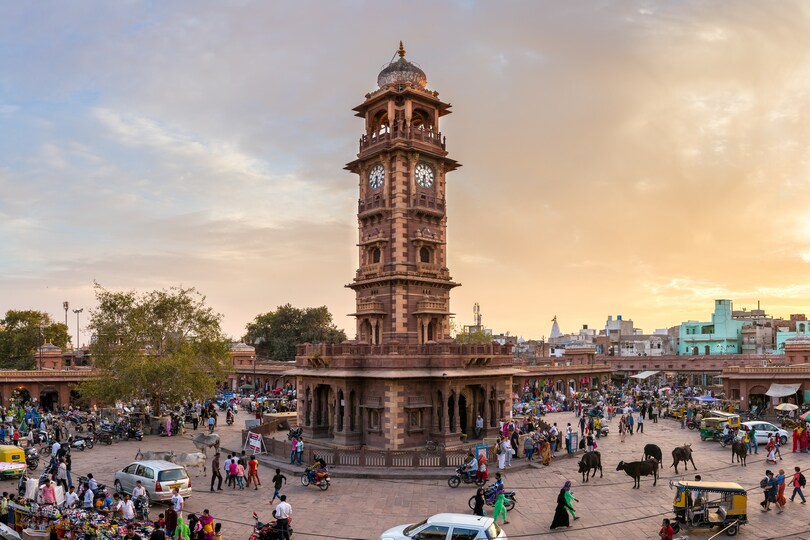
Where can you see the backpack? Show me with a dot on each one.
(763, 483)
(802, 480)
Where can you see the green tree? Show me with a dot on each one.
(275, 334)
(470, 335)
(165, 346)
(22, 332)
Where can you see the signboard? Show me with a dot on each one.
(250, 424)
(254, 441)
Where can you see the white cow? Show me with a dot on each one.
(149, 455)
(194, 459)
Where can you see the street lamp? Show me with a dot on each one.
(77, 312)
(66, 306)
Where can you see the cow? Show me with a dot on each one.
(590, 460)
(194, 459)
(652, 451)
(637, 469)
(740, 451)
(204, 441)
(149, 455)
(682, 453)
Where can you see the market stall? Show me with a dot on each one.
(37, 521)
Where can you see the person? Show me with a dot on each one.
(506, 446)
(293, 450)
(283, 512)
(278, 479)
(206, 522)
(641, 423)
(229, 480)
(61, 474)
(218, 531)
(795, 439)
(780, 491)
(87, 502)
(215, 474)
(771, 449)
(211, 423)
(582, 426)
(471, 465)
(798, 484)
(500, 508)
(630, 423)
(483, 473)
(478, 507)
(253, 472)
(568, 432)
(770, 486)
(169, 426)
(479, 426)
(71, 498)
(622, 429)
(655, 413)
(181, 531)
(131, 534)
(138, 491)
(666, 532)
(752, 434)
(127, 508)
(240, 474)
(569, 496)
(174, 511)
(234, 472)
(195, 419)
(157, 534)
(528, 448)
(92, 482)
(803, 441)
(561, 512)
(48, 493)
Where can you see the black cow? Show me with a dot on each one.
(652, 451)
(590, 460)
(682, 453)
(740, 451)
(637, 469)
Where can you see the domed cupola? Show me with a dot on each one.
(401, 71)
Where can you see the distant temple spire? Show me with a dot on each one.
(555, 329)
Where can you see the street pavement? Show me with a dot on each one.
(362, 508)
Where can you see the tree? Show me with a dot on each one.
(470, 335)
(22, 332)
(165, 346)
(275, 334)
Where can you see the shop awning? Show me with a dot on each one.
(782, 390)
(644, 375)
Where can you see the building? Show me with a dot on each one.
(797, 326)
(403, 381)
(723, 335)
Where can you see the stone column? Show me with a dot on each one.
(347, 412)
(487, 407)
(445, 413)
(435, 416)
(456, 416)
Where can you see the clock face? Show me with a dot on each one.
(376, 177)
(424, 175)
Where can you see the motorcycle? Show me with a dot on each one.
(727, 440)
(269, 530)
(130, 432)
(297, 432)
(141, 508)
(229, 419)
(468, 477)
(692, 423)
(31, 457)
(309, 475)
(490, 499)
(103, 436)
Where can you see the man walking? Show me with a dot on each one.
(582, 426)
(752, 435)
(641, 423)
(277, 482)
(215, 472)
(283, 512)
(228, 470)
(630, 423)
(798, 483)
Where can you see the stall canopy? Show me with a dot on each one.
(644, 375)
(782, 390)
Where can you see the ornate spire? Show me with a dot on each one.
(401, 50)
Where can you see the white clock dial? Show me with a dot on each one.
(424, 175)
(376, 177)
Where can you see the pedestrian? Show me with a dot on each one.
(479, 426)
(299, 451)
(780, 491)
(798, 483)
(582, 426)
(293, 450)
(777, 444)
(795, 439)
(215, 474)
(206, 522)
(228, 478)
(483, 473)
(589, 443)
(528, 447)
(278, 479)
(506, 446)
(803, 441)
(253, 472)
(622, 429)
(630, 423)
(666, 532)
(500, 508)
(769, 486)
(641, 423)
(752, 433)
(240, 474)
(195, 419)
(478, 508)
(561, 512)
(569, 496)
(211, 423)
(283, 512)
(568, 433)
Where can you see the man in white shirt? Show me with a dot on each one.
(479, 426)
(177, 502)
(127, 508)
(55, 448)
(92, 482)
(71, 499)
(283, 513)
(138, 490)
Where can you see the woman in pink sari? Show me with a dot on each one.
(207, 524)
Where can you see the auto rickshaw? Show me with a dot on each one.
(12, 461)
(733, 418)
(677, 412)
(710, 504)
(711, 428)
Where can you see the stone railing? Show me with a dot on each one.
(422, 136)
(431, 305)
(358, 349)
(370, 307)
(768, 370)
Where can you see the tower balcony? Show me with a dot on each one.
(370, 307)
(369, 271)
(432, 140)
(435, 270)
(431, 306)
(370, 203)
(429, 202)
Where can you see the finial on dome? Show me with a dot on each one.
(401, 50)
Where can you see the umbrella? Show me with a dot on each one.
(786, 407)
(805, 416)
(705, 398)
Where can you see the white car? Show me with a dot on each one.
(766, 428)
(447, 527)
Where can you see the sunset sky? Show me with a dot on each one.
(633, 158)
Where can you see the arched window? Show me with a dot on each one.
(708, 350)
(424, 255)
(376, 255)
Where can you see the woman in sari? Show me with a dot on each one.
(561, 512)
(545, 452)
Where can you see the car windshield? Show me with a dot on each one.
(493, 531)
(410, 528)
(171, 475)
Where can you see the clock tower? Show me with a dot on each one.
(402, 284)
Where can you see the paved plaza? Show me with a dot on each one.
(363, 508)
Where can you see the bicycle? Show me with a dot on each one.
(434, 446)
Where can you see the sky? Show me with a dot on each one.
(619, 157)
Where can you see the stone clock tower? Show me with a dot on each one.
(402, 284)
(403, 380)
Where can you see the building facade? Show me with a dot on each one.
(403, 381)
(723, 335)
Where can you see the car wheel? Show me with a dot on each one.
(118, 487)
(783, 440)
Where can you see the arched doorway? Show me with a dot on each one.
(462, 413)
(757, 398)
(20, 395)
(49, 398)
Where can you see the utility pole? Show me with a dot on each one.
(77, 312)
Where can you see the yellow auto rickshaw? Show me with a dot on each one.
(678, 412)
(732, 418)
(710, 504)
(12, 461)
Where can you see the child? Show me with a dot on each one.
(218, 531)
(161, 522)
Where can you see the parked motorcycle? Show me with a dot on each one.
(141, 508)
(130, 432)
(511, 500)
(103, 436)
(31, 458)
(691, 423)
(466, 477)
(269, 530)
(80, 443)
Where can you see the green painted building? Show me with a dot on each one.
(723, 335)
(802, 329)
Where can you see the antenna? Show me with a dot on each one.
(477, 315)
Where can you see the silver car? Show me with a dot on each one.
(157, 477)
